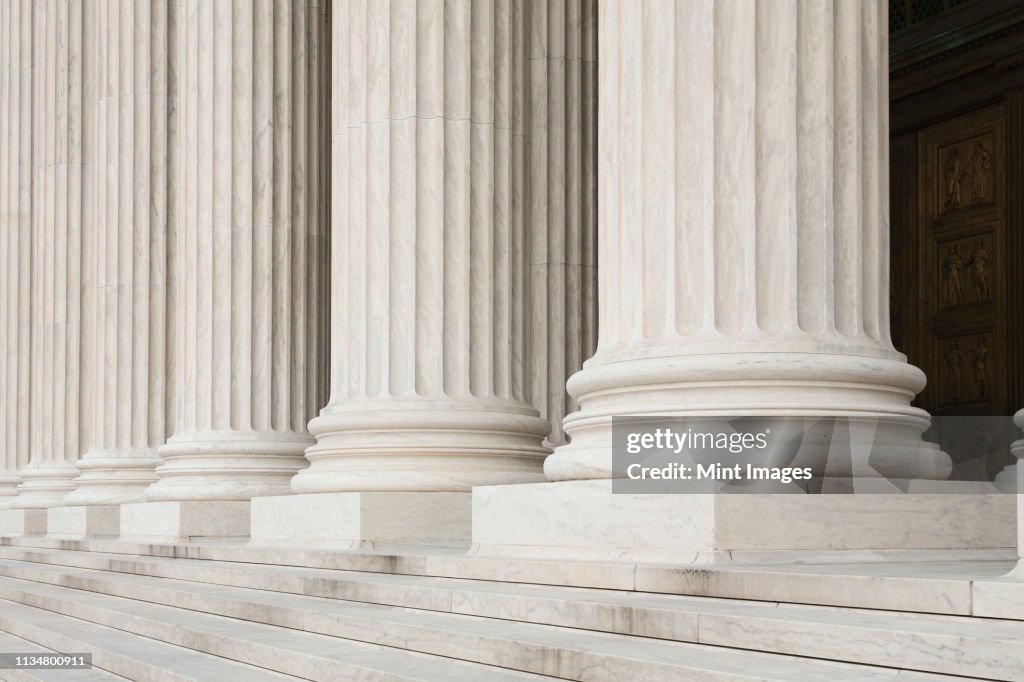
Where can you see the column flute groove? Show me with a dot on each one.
(554, 123)
(427, 390)
(131, 254)
(63, 151)
(744, 232)
(250, 249)
(15, 242)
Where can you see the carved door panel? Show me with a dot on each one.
(962, 332)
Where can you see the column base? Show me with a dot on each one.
(423, 446)
(18, 522)
(579, 519)
(872, 393)
(8, 489)
(77, 523)
(45, 485)
(193, 521)
(113, 477)
(228, 465)
(362, 519)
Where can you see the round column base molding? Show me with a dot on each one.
(8, 488)
(44, 485)
(423, 446)
(872, 393)
(113, 477)
(228, 465)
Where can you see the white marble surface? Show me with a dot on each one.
(172, 521)
(505, 624)
(427, 379)
(463, 644)
(293, 653)
(557, 123)
(16, 76)
(63, 181)
(737, 217)
(131, 657)
(999, 597)
(76, 522)
(914, 583)
(129, 302)
(9, 644)
(584, 518)
(21, 522)
(250, 267)
(354, 520)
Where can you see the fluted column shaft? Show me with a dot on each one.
(250, 248)
(428, 262)
(130, 310)
(15, 240)
(63, 106)
(743, 222)
(560, 195)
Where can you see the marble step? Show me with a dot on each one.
(559, 652)
(949, 587)
(439, 593)
(9, 644)
(951, 645)
(131, 657)
(289, 652)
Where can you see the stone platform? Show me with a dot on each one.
(22, 522)
(238, 611)
(584, 518)
(185, 521)
(83, 522)
(353, 520)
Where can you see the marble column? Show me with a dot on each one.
(559, 112)
(250, 250)
(130, 310)
(15, 241)
(62, 230)
(428, 262)
(743, 226)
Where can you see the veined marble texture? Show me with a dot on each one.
(559, 111)
(429, 262)
(15, 241)
(743, 238)
(179, 295)
(63, 165)
(250, 264)
(131, 254)
(743, 223)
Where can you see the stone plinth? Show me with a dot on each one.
(73, 523)
(360, 520)
(15, 522)
(185, 521)
(584, 519)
